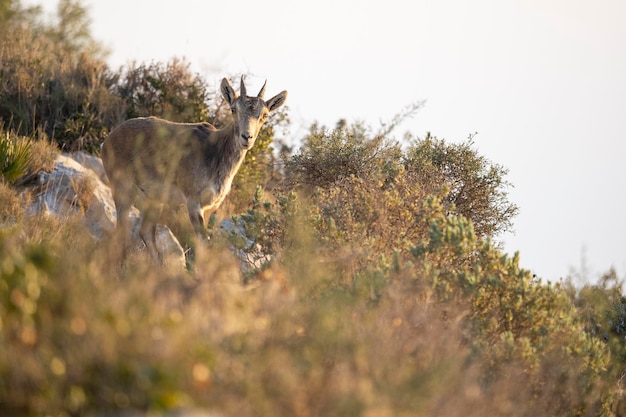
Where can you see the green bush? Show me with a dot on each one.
(516, 319)
(15, 157)
(477, 187)
(170, 91)
(435, 321)
(602, 308)
(346, 151)
(21, 158)
(367, 190)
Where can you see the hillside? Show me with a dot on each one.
(359, 277)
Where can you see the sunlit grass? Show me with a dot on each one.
(366, 283)
(84, 332)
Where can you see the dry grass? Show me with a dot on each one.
(86, 333)
(12, 206)
(379, 299)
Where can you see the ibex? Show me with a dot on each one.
(155, 164)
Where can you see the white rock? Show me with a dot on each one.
(251, 255)
(169, 248)
(91, 162)
(74, 188)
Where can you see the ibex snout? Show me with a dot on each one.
(246, 139)
(249, 127)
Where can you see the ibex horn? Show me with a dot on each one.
(262, 92)
(242, 89)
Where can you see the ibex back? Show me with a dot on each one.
(153, 163)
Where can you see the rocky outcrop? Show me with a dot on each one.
(247, 250)
(71, 188)
(78, 185)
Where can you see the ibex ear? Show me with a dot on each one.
(276, 101)
(228, 92)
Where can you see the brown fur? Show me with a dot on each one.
(155, 164)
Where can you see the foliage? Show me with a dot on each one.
(477, 188)
(370, 287)
(451, 316)
(52, 83)
(61, 354)
(170, 91)
(368, 189)
(602, 307)
(372, 298)
(259, 232)
(14, 157)
(72, 30)
(22, 157)
(344, 152)
(517, 318)
(7, 10)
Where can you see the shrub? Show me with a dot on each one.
(52, 83)
(15, 157)
(515, 319)
(477, 187)
(170, 91)
(446, 324)
(344, 152)
(373, 286)
(367, 192)
(21, 158)
(602, 308)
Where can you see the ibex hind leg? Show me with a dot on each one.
(121, 241)
(147, 231)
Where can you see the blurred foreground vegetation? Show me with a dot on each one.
(373, 286)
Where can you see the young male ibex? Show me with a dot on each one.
(155, 164)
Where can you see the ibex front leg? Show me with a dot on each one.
(196, 216)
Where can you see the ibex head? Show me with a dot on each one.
(250, 112)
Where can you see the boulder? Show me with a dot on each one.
(169, 248)
(72, 188)
(247, 250)
(91, 162)
(77, 185)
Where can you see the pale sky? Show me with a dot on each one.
(542, 82)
